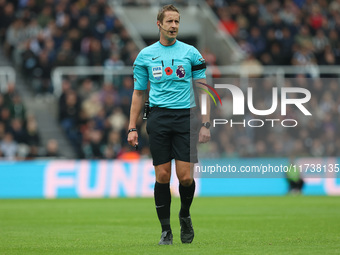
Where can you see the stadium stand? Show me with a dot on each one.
(93, 111)
(283, 32)
(19, 135)
(38, 36)
(290, 32)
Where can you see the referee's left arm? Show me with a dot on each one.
(204, 134)
(198, 68)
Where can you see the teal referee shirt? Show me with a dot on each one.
(170, 70)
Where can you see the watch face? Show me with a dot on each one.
(206, 124)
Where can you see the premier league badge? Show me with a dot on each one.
(157, 72)
(180, 71)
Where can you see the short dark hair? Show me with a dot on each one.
(166, 8)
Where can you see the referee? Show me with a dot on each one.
(170, 66)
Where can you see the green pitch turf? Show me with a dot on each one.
(235, 225)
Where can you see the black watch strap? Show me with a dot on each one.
(132, 130)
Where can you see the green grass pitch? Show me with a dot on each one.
(223, 225)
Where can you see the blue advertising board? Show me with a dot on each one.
(115, 178)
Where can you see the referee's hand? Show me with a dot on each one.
(133, 138)
(204, 135)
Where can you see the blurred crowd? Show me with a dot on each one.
(93, 112)
(95, 118)
(312, 136)
(40, 35)
(19, 133)
(304, 33)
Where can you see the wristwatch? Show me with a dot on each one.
(206, 125)
(131, 130)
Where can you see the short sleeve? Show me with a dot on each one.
(140, 73)
(198, 64)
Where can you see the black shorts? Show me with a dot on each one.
(173, 134)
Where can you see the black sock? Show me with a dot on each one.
(187, 195)
(162, 201)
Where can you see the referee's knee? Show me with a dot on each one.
(186, 181)
(163, 176)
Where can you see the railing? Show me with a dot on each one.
(279, 72)
(59, 72)
(7, 75)
(243, 72)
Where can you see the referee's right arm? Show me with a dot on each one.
(136, 107)
(140, 77)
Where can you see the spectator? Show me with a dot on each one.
(252, 14)
(2, 102)
(9, 147)
(226, 23)
(305, 59)
(95, 148)
(65, 56)
(87, 88)
(125, 94)
(32, 136)
(333, 38)
(2, 130)
(5, 117)
(52, 149)
(17, 108)
(29, 59)
(328, 58)
(320, 41)
(266, 59)
(96, 54)
(9, 95)
(287, 43)
(109, 91)
(315, 18)
(114, 62)
(50, 50)
(17, 130)
(45, 16)
(33, 153)
(117, 119)
(109, 18)
(42, 72)
(257, 42)
(113, 144)
(277, 54)
(92, 105)
(99, 120)
(303, 37)
(289, 12)
(68, 117)
(7, 20)
(253, 65)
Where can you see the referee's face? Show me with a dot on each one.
(170, 25)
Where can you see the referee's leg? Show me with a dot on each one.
(184, 171)
(163, 200)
